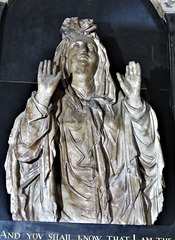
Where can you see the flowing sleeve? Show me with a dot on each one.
(29, 162)
(28, 131)
(145, 133)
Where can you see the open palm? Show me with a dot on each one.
(131, 83)
(48, 79)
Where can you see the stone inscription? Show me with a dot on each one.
(55, 236)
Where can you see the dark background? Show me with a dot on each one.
(129, 29)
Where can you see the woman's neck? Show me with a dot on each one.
(83, 87)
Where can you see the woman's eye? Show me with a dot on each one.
(91, 47)
(76, 45)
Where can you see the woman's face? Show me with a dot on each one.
(82, 56)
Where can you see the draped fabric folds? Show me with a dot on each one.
(110, 159)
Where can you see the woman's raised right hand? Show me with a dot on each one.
(48, 79)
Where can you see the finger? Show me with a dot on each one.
(54, 70)
(59, 76)
(56, 80)
(45, 66)
(127, 71)
(138, 69)
(40, 68)
(49, 67)
(130, 68)
(121, 82)
(134, 67)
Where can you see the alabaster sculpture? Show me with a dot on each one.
(81, 152)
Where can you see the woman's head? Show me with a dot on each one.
(81, 50)
(82, 57)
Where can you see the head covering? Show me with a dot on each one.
(73, 27)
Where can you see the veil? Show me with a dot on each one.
(73, 27)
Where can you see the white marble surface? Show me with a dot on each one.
(7, 1)
(169, 5)
(164, 6)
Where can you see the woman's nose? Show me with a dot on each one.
(84, 48)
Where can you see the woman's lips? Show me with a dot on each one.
(83, 57)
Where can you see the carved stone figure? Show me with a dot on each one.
(105, 149)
